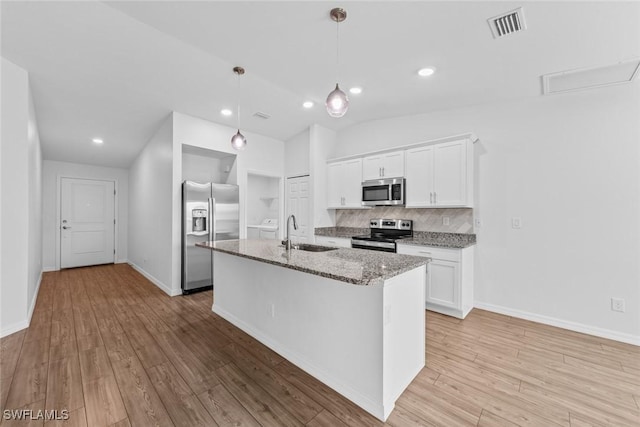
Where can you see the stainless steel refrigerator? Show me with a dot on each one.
(209, 212)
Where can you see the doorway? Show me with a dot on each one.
(87, 222)
(263, 207)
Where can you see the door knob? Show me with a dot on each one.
(64, 227)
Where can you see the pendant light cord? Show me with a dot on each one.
(337, 51)
(238, 76)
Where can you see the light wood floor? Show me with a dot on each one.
(111, 348)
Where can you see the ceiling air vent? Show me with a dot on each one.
(507, 23)
(587, 78)
(261, 115)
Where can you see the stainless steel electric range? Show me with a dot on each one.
(383, 234)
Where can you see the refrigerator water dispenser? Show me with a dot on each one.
(199, 220)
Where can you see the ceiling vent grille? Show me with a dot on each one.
(588, 78)
(261, 115)
(507, 23)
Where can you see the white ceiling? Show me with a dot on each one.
(117, 69)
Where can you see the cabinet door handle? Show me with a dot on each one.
(383, 171)
(424, 252)
(435, 197)
(431, 197)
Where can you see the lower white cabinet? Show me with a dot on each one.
(449, 284)
(340, 242)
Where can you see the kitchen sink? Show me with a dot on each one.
(312, 248)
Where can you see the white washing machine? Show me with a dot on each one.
(267, 229)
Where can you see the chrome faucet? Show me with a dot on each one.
(287, 242)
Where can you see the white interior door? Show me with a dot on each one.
(87, 222)
(298, 205)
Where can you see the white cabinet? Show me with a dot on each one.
(344, 184)
(340, 242)
(449, 284)
(440, 175)
(384, 165)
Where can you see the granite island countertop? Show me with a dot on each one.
(355, 266)
(420, 238)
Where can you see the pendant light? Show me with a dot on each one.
(238, 141)
(337, 101)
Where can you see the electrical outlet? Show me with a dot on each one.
(478, 223)
(617, 304)
(516, 222)
(445, 220)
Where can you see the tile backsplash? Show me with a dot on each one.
(460, 219)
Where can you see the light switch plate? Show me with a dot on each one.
(516, 222)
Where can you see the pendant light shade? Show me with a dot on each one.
(238, 141)
(337, 101)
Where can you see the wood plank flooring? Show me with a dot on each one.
(114, 350)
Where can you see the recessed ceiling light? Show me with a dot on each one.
(97, 140)
(307, 104)
(226, 112)
(424, 72)
(355, 90)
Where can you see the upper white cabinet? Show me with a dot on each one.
(384, 165)
(440, 175)
(344, 184)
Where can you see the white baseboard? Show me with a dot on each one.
(122, 261)
(564, 324)
(13, 328)
(337, 384)
(166, 289)
(18, 326)
(32, 306)
(51, 268)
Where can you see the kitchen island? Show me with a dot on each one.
(353, 319)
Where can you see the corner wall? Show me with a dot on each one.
(263, 155)
(20, 207)
(155, 190)
(151, 210)
(569, 167)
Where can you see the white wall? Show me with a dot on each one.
(20, 207)
(151, 209)
(296, 155)
(321, 145)
(34, 158)
(201, 168)
(263, 155)
(568, 165)
(155, 191)
(51, 174)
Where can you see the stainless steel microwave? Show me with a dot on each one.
(383, 192)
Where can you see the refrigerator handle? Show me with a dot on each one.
(212, 231)
(212, 215)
